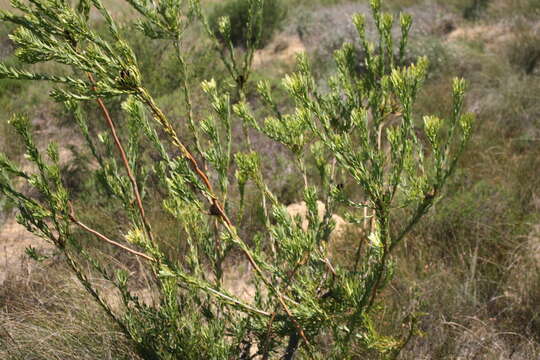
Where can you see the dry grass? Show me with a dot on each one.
(45, 314)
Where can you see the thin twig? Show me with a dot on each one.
(125, 161)
(104, 238)
(359, 251)
(187, 97)
(268, 335)
(238, 302)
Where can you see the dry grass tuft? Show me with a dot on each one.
(47, 315)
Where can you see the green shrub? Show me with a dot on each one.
(273, 14)
(475, 9)
(524, 50)
(357, 134)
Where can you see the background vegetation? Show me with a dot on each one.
(471, 267)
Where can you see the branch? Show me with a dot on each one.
(125, 161)
(104, 238)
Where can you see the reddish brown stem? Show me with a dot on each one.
(103, 237)
(125, 161)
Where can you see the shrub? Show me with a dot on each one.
(475, 9)
(359, 136)
(524, 50)
(238, 12)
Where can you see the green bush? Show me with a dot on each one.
(238, 11)
(354, 144)
(475, 9)
(524, 50)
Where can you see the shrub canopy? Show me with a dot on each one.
(355, 143)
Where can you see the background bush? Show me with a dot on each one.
(237, 11)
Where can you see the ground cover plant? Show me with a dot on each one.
(356, 143)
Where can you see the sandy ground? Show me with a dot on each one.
(14, 239)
